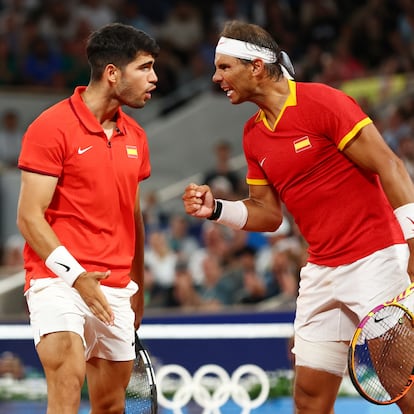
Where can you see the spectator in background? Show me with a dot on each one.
(397, 125)
(8, 64)
(182, 30)
(221, 177)
(58, 22)
(155, 218)
(11, 366)
(183, 292)
(216, 289)
(131, 13)
(216, 241)
(43, 65)
(75, 66)
(406, 151)
(161, 260)
(11, 133)
(243, 271)
(282, 279)
(13, 252)
(96, 13)
(179, 238)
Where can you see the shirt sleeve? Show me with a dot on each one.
(42, 149)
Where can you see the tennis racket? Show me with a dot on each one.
(141, 393)
(381, 353)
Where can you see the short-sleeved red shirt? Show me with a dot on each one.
(340, 209)
(92, 210)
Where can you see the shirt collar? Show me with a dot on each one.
(290, 101)
(85, 115)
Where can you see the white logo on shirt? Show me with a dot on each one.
(262, 161)
(82, 150)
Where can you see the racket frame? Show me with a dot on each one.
(143, 353)
(351, 351)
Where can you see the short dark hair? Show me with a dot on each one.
(118, 44)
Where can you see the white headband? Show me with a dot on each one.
(244, 50)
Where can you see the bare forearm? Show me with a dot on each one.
(38, 234)
(137, 268)
(397, 184)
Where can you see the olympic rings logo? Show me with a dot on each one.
(211, 387)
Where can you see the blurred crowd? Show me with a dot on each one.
(194, 264)
(42, 41)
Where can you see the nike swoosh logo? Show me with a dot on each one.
(381, 319)
(262, 161)
(83, 150)
(66, 267)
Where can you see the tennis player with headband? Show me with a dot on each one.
(313, 148)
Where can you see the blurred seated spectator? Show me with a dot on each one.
(228, 10)
(11, 134)
(11, 366)
(131, 14)
(58, 21)
(183, 292)
(224, 182)
(216, 241)
(406, 151)
(9, 67)
(182, 30)
(397, 125)
(252, 288)
(179, 238)
(95, 12)
(282, 278)
(75, 65)
(161, 260)
(217, 289)
(13, 252)
(155, 218)
(42, 66)
(167, 67)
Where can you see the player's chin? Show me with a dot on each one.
(137, 104)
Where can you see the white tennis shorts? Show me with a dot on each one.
(56, 307)
(333, 300)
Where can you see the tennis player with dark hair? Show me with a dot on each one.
(313, 148)
(82, 161)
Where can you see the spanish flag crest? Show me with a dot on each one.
(132, 151)
(302, 144)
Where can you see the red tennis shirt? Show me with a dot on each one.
(92, 210)
(340, 209)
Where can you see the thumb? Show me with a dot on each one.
(102, 275)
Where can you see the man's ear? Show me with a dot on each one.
(111, 72)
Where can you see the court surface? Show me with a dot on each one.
(279, 406)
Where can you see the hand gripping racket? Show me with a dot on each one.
(141, 393)
(381, 353)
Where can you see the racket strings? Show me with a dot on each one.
(384, 354)
(139, 393)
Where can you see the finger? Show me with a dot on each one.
(103, 312)
(102, 275)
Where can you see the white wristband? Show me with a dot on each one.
(405, 216)
(64, 265)
(233, 214)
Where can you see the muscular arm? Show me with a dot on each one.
(263, 205)
(36, 192)
(371, 152)
(265, 212)
(137, 268)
